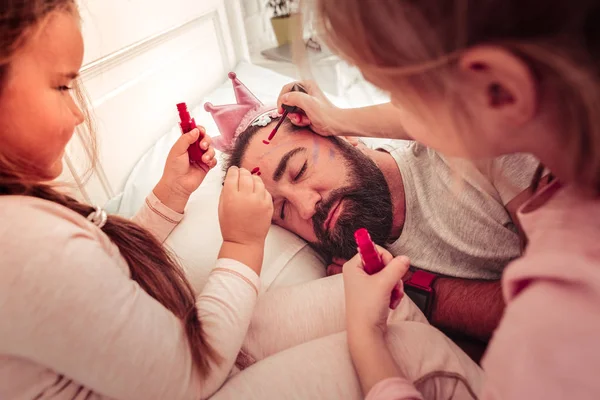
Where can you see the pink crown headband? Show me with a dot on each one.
(233, 119)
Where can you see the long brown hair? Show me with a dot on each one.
(411, 46)
(151, 265)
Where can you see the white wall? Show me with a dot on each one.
(141, 58)
(258, 25)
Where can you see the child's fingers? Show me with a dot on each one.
(206, 142)
(202, 167)
(386, 256)
(395, 270)
(352, 140)
(185, 141)
(295, 117)
(208, 156)
(246, 182)
(286, 89)
(231, 179)
(267, 195)
(397, 295)
(299, 119)
(298, 99)
(259, 186)
(354, 262)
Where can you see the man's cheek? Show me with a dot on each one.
(306, 232)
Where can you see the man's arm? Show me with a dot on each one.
(471, 307)
(466, 306)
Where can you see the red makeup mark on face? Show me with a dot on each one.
(255, 171)
(266, 142)
(285, 142)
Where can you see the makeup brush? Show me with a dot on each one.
(287, 110)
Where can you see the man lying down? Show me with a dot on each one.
(323, 189)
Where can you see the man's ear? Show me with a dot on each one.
(502, 85)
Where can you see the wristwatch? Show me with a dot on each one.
(420, 289)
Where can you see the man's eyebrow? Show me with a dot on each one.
(280, 170)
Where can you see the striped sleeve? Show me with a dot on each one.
(394, 389)
(157, 217)
(225, 308)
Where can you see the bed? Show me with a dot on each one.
(134, 89)
(182, 50)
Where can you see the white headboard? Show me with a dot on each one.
(143, 57)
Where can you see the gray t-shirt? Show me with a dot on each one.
(456, 222)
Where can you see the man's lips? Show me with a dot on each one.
(333, 216)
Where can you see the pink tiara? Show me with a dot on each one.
(233, 119)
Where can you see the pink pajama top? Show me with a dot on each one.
(76, 326)
(548, 343)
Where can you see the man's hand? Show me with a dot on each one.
(336, 266)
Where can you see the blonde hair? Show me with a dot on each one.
(151, 265)
(410, 46)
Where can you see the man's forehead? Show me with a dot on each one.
(286, 139)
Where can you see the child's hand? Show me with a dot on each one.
(245, 208)
(320, 114)
(368, 296)
(245, 212)
(180, 177)
(184, 175)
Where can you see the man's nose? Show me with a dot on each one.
(305, 202)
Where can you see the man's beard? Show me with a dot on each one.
(366, 204)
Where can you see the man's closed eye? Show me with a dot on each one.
(295, 179)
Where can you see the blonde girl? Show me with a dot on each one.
(482, 79)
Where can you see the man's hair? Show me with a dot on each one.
(235, 152)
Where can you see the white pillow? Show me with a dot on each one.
(196, 240)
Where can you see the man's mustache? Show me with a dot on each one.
(324, 207)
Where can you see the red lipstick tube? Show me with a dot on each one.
(187, 124)
(372, 260)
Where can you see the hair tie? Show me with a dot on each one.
(98, 217)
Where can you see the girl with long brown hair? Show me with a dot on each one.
(93, 305)
(482, 79)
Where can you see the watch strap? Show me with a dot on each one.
(422, 279)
